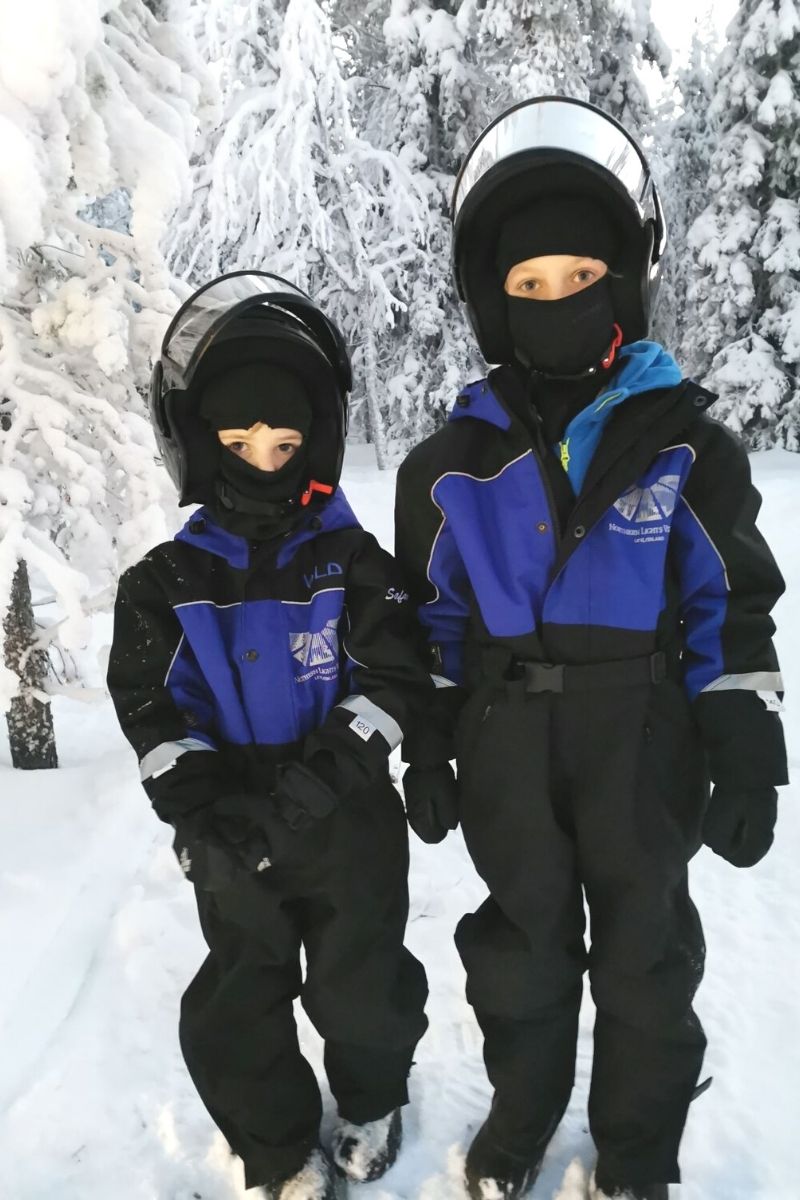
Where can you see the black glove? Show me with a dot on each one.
(302, 797)
(191, 785)
(739, 822)
(241, 832)
(341, 759)
(431, 801)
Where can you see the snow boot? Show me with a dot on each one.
(316, 1180)
(610, 1190)
(492, 1173)
(365, 1152)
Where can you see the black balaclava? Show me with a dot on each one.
(560, 343)
(253, 503)
(560, 337)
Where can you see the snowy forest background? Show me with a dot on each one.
(148, 145)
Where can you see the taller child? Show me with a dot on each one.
(263, 667)
(581, 544)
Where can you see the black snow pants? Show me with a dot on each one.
(595, 793)
(345, 901)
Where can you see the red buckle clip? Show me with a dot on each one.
(615, 345)
(313, 486)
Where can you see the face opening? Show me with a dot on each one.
(261, 446)
(553, 276)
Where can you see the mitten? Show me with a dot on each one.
(301, 796)
(343, 759)
(239, 832)
(739, 823)
(431, 795)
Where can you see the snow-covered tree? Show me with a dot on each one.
(417, 95)
(534, 48)
(681, 159)
(288, 184)
(744, 334)
(622, 42)
(97, 117)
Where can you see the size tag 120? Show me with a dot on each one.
(363, 728)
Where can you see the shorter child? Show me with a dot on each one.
(263, 669)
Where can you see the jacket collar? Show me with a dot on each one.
(643, 366)
(202, 531)
(478, 400)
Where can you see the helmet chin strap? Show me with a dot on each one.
(233, 501)
(605, 362)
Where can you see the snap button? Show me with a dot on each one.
(699, 401)
(579, 531)
(462, 401)
(197, 526)
(250, 655)
(542, 527)
(316, 523)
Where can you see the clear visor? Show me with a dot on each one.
(202, 316)
(558, 125)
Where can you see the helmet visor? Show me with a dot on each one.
(556, 124)
(202, 316)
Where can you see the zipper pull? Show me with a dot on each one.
(565, 454)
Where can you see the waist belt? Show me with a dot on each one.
(558, 677)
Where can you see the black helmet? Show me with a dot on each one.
(242, 317)
(554, 146)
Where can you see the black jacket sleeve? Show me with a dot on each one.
(729, 583)
(174, 745)
(386, 683)
(440, 596)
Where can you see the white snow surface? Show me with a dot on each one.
(99, 937)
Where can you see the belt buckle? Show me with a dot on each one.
(544, 677)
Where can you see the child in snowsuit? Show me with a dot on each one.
(262, 668)
(581, 544)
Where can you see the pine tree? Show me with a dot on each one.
(29, 719)
(745, 327)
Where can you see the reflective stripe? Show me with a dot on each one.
(160, 759)
(755, 681)
(385, 725)
(439, 681)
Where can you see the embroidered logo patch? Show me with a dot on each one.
(654, 503)
(316, 655)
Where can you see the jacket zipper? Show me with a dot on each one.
(555, 521)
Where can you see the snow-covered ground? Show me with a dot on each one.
(98, 938)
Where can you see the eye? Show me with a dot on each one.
(237, 447)
(584, 275)
(527, 285)
(287, 447)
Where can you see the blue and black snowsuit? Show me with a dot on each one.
(602, 608)
(229, 658)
